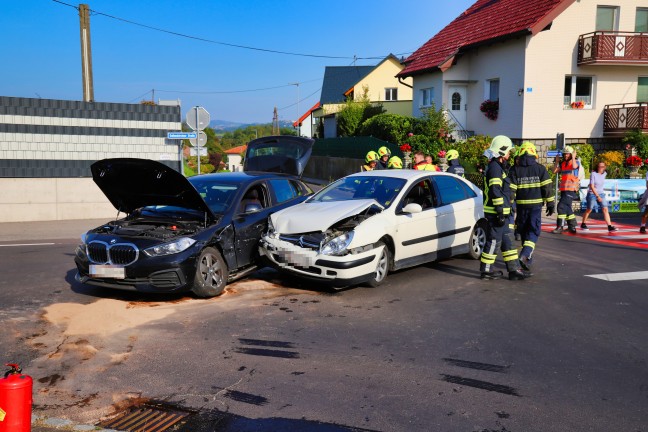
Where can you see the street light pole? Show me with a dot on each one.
(298, 113)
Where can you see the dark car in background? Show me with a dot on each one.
(193, 234)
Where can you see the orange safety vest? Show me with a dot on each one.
(424, 166)
(569, 176)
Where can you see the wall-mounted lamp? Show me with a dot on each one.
(520, 92)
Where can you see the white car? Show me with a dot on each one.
(361, 227)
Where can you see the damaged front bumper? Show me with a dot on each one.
(340, 271)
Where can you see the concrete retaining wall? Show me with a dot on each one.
(42, 199)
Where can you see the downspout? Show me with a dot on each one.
(400, 81)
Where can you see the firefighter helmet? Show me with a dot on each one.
(395, 163)
(384, 151)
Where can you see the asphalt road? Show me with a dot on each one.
(435, 348)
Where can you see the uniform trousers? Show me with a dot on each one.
(565, 211)
(497, 237)
(529, 225)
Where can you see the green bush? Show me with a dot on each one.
(471, 151)
(355, 112)
(392, 128)
(586, 154)
(637, 139)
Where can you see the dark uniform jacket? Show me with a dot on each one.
(456, 168)
(530, 183)
(497, 190)
(381, 165)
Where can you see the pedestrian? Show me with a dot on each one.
(531, 185)
(643, 202)
(454, 165)
(596, 194)
(497, 209)
(370, 161)
(395, 163)
(384, 154)
(421, 164)
(569, 184)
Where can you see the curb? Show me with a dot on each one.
(47, 424)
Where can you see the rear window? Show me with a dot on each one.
(284, 190)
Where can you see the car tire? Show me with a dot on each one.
(477, 240)
(382, 266)
(211, 274)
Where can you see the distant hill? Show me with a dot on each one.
(229, 126)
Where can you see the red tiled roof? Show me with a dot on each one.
(484, 21)
(302, 118)
(236, 150)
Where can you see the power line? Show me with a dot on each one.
(222, 43)
(301, 100)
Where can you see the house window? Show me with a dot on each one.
(642, 89)
(391, 94)
(641, 20)
(578, 89)
(427, 96)
(606, 18)
(456, 101)
(492, 89)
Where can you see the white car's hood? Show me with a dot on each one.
(317, 216)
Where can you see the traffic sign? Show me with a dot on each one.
(553, 153)
(194, 151)
(181, 135)
(198, 118)
(200, 141)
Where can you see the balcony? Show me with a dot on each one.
(621, 118)
(613, 48)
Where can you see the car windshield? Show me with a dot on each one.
(218, 196)
(381, 189)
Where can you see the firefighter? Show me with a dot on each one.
(370, 161)
(531, 186)
(453, 161)
(395, 163)
(569, 185)
(384, 154)
(497, 208)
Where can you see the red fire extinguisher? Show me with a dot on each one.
(15, 400)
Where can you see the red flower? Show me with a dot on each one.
(634, 161)
(442, 153)
(406, 147)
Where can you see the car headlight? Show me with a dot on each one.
(338, 245)
(170, 248)
(84, 237)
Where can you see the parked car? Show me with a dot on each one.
(192, 234)
(365, 225)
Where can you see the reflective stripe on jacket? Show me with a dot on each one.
(530, 183)
(424, 166)
(497, 190)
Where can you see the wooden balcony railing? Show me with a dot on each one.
(614, 48)
(621, 118)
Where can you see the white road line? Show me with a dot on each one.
(27, 244)
(616, 277)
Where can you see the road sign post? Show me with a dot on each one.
(198, 119)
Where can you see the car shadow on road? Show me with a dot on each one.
(446, 267)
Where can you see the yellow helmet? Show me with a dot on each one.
(372, 156)
(528, 148)
(452, 154)
(501, 145)
(395, 163)
(384, 151)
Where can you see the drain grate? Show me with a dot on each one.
(147, 418)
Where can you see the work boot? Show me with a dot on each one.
(525, 262)
(572, 229)
(519, 274)
(558, 230)
(491, 275)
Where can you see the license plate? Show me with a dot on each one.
(299, 259)
(107, 271)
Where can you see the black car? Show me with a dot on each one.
(192, 234)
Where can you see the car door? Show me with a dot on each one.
(416, 233)
(455, 211)
(250, 222)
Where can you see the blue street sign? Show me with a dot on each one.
(181, 135)
(553, 153)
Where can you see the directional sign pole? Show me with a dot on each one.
(197, 152)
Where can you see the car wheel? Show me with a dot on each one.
(211, 274)
(477, 241)
(382, 266)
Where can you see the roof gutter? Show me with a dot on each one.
(400, 81)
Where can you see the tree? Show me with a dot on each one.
(355, 112)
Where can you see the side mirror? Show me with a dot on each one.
(412, 208)
(251, 208)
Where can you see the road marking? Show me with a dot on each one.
(28, 244)
(616, 277)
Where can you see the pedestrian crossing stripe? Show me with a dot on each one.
(617, 277)
(625, 235)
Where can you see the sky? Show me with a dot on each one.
(41, 54)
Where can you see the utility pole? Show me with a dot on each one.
(86, 53)
(298, 113)
(275, 122)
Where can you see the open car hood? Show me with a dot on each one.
(278, 154)
(317, 216)
(133, 183)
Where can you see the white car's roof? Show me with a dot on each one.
(406, 174)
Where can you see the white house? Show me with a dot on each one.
(235, 158)
(573, 66)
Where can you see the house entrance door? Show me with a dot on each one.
(458, 105)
